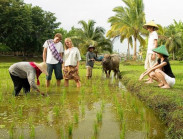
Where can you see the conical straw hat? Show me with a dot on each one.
(161, 50)
(152, 24)
(43, 67)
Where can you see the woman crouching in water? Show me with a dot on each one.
(161, 71)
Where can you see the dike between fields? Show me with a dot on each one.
(164, 102)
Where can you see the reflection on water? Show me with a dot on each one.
(101, 108)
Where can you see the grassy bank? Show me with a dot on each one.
(168, 103)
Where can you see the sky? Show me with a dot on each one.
(69, 12)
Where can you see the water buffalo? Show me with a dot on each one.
(111, 62)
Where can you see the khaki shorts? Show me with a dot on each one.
(149, 62)
(88, 71)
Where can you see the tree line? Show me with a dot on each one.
(24, 28)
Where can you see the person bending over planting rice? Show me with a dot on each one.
(161, 70)
(23, 76)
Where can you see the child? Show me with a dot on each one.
(90, 59)
(161, 71)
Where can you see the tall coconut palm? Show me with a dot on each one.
(131, 18)
(89, 35)
(174, 40)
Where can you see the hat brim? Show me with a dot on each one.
(42, 70)
(91, 47)
(155, 27)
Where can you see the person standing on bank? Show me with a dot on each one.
(71, 63)
(161, 71)
(152, 44)
(23, 76)
(90, 59)
(52, 55)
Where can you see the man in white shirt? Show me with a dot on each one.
(52, 62)
(152, 43)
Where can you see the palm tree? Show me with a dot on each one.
(129, 19)
(174, 40)
(89, 35)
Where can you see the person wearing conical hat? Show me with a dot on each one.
(23, 76)
(161, 71)
(152, 43)
(90, 59)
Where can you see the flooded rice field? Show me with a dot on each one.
(102, 108)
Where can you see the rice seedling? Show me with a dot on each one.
(95, 127)
(83, 109)
(48, 100)
(1, 97)
(76, 119)
(56, 110)
(11, 130)
(102, 105)
(123, 131)
(32, 131)
(70, 128)
(21, 136)
(61, 133)
(20, 111)
(121, 114)
(147, 129)
(99, 117)
(142, 115)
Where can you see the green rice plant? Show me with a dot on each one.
(1, 96)
(123, 94)
(147, 129)
(102, 105)
(32, 131)
(11, 130)
(56, 110)
(76, 119)
(94, 90)
(62, 100)
(123, 131)
(99, 117)
(121, 114)
(20, 111)
(61, 133)
(142, 115)
(83, 109)
(70, 128)
(21, 136)
(95, 128)
(48, 100)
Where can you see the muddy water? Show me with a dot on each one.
(101, 108)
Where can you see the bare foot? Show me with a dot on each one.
(147, 79)
(160, 84)
(165, 86)
(148, 82)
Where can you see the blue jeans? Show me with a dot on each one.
(57, 70)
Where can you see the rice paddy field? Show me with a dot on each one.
(101, 109)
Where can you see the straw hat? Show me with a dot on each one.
(91, 46)
(43, 67)
(152, 24)
(161, 50)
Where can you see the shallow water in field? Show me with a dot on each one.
(101, 108)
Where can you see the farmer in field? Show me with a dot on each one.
(90, 59)
(71, 63)
(23, 76)
(161, 71)
(52, 55)
(152, 43)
